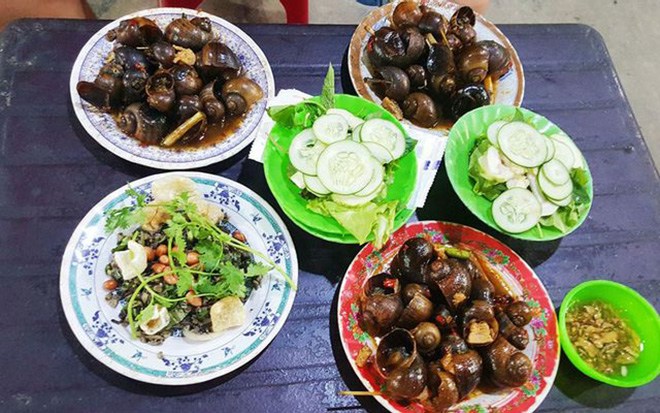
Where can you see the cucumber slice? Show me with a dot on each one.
(384, 133)
(379, 152)
(330, 128)
(313, 183)
(299, 179)
(550, 144)
(376, 180)
(522, 144)
(352, 120)
(578, 161)
(493, 130)
(547, 207)
(562, 202)
(345, 167)
(353, 200)
(563, 154)
(553, 191)
(555, 171)
(304, 152)
(355, 136)
(516, 210)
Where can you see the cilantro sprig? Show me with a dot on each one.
(215, 276)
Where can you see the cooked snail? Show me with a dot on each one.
(160, 91)
(191, 34)
(138, 31)
(381, 304)
(143, 122)
(506, 365)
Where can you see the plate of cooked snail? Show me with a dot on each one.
(171, 88)
(428, 64)
(446, 318)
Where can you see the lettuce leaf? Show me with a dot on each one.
(361, 221)
(483, 186)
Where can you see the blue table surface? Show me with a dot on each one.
(52, 173)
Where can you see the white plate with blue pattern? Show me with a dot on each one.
(177, 361)
(104, 130)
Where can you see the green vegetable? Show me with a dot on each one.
(483, 186)
(360, 220)
(328, 91)
(457, 253)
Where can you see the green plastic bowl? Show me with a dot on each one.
(277, 169)
(636, 311)
(462, 138)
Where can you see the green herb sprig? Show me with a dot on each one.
(215, 276)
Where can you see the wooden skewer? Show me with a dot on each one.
(359, 393)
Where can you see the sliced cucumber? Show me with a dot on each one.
(355, 136)
(384, 133)
(553, 191)
(304, 152)
(562, 202)
(352, 120)
(345, 167)
(376, 180)
(354, 200)
(313, 183)
(299, 179)
(563, 154)
(379, 152)
(547, 207)
(555, 171)
(522, 144)
(516, 210)
(551, 149)
(330, 128)
(493, 130)
(578, 161)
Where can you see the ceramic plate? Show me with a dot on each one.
(104, 130)
(177, 361)
(277, 169)
(543, 348)
(457, 159)
(510, 88)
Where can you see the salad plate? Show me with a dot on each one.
(278, 172)
(510, 88)
(103, 128)
(179, 360)
(471, 129)
(542, 350)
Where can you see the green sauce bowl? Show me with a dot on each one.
(638, 313)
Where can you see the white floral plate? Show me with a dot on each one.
(177, 361)
(104, 130)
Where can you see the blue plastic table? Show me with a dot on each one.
(52, 173)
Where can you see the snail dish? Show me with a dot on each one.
(446, 325)
(430, 69)
(176, 86)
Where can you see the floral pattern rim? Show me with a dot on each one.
(543, 349)
(103, 129)
(177, 361)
